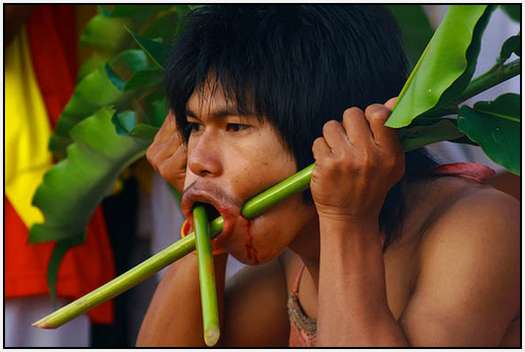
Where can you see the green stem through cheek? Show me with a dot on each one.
(255, 206)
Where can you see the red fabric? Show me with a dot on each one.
(473, 171)
(53, 43)
(53, 40)
(84, 267)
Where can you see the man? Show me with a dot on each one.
(382, 252)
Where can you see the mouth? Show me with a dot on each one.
(211, 212)
(215, 203)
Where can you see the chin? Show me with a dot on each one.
(256, 243)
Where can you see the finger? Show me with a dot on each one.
(391, 103)
(173, 169)
(335, 137)
(385, 137)
(356, 126)
(320, 149)
(159, 151)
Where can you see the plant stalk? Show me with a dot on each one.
(496, 75)
(255, 206)
(210, 311)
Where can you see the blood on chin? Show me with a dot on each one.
(236, 239)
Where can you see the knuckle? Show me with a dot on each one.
(376, 112)
(151, 156)
(317, 142)
(330, 126)
(352, 111)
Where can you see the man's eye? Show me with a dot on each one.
(235, 127)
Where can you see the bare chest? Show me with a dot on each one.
(400, 276)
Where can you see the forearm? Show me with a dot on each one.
(174, 317)
(353, 307)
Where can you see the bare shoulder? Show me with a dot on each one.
(480, 218)
(467, 290)
(255, 307)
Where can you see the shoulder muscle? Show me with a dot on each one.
(468, 286)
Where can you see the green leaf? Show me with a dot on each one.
(144, 79)
(93, 63)
(156, 108)
(144, 132)
(163, 26)
(415, 28)
(496, 127)
(157, 51)
(100, 88)
(513, 11)
(124, 121)
(136, 12)
(415, 137)
(104, 33)
(94, 91)
(446, 65)
(71, 190)
(511, 45)
(126, 124)
(127, 63)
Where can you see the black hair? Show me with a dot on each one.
(298, 66)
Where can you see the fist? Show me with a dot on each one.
(356, 163)
(167, 154)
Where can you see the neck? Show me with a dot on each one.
(307, 246)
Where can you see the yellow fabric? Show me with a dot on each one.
(27, 131)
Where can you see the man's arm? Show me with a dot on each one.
(468, 286)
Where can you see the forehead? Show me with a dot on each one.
(209, 98)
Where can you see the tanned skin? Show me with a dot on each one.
(451, 279)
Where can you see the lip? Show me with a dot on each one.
(227, 206)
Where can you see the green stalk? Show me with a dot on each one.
(496, 75)
(210, 311)
(255, 206)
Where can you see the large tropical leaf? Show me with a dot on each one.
(97, 89)
(105, 33)
(156, 50)
(71, 190)
(96, 154)
(445, 67)
(496, 127)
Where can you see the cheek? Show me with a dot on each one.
(265, 237)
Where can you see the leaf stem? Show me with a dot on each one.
(497, 74)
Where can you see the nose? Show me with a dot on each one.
(204, 158)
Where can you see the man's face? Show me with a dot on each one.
(232, 158)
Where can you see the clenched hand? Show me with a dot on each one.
(167, 154)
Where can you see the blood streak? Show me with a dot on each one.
(251, 252)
